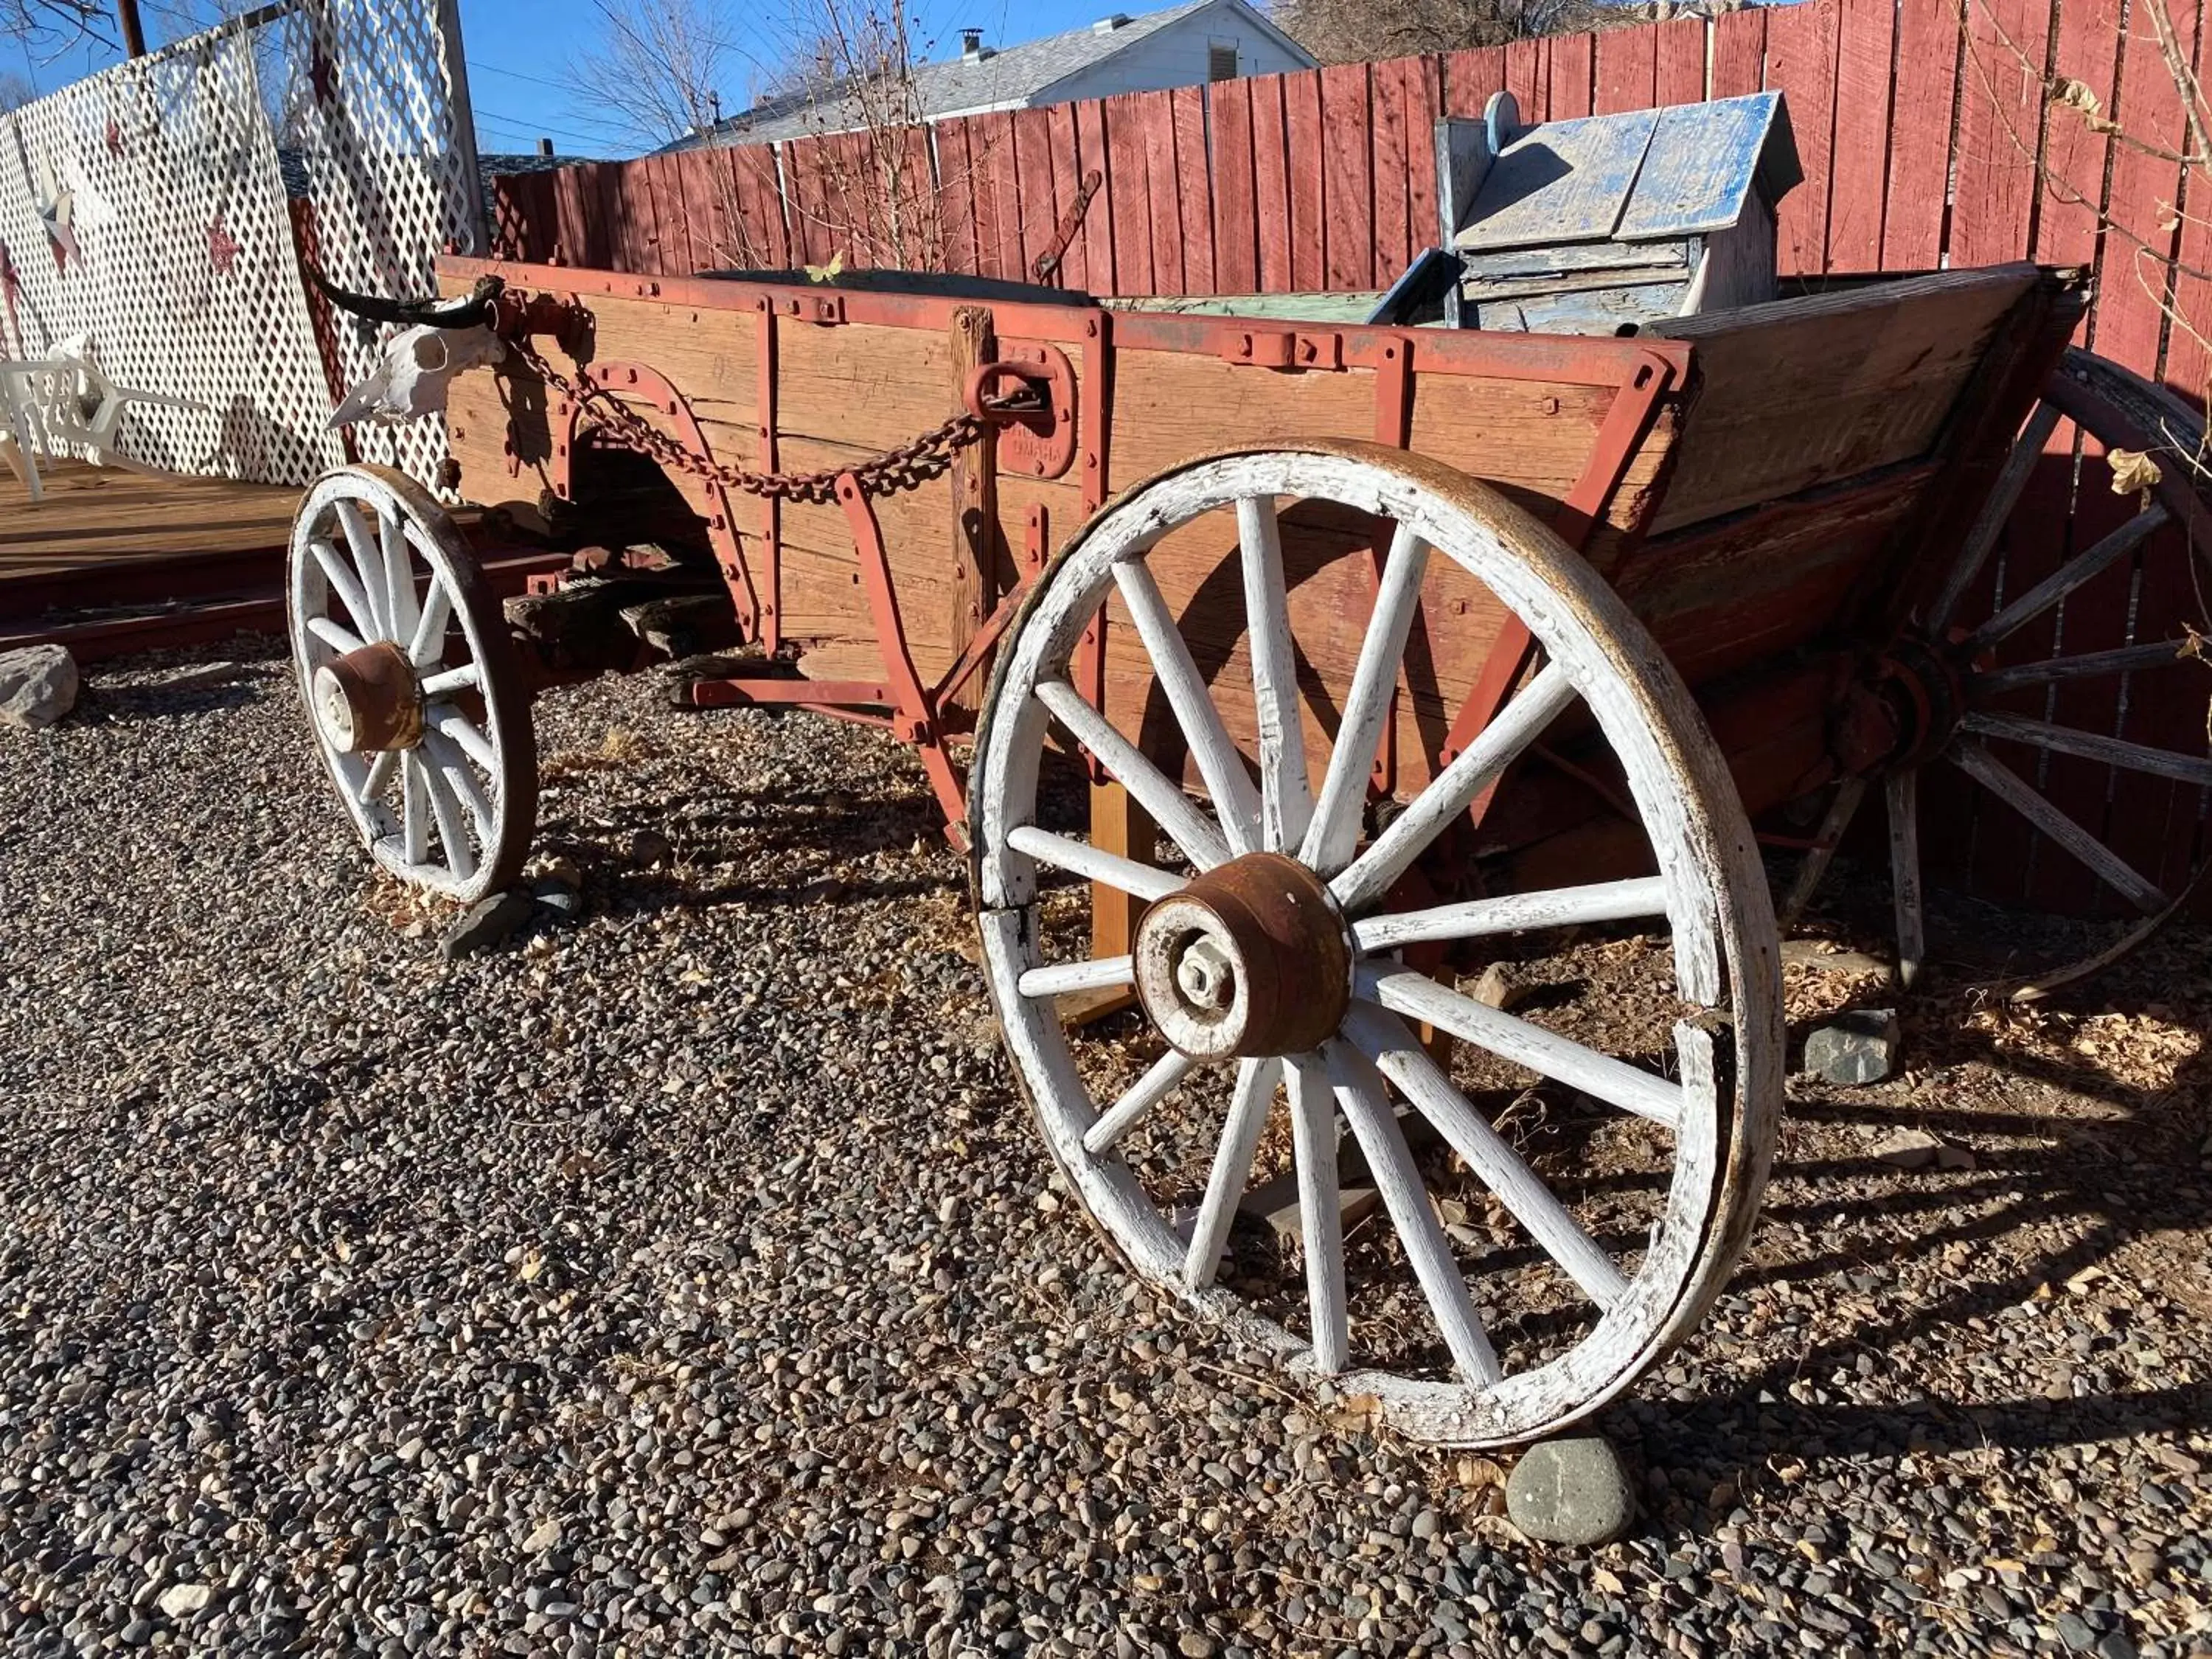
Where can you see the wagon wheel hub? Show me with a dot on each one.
(1251, 958)
(368, 700)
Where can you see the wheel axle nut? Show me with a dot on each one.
(1205, 974)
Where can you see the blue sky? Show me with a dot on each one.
(518, 51)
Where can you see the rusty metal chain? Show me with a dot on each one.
(907, 467)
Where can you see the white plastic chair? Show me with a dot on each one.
(66, 402)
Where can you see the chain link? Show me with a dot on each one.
(906, 467)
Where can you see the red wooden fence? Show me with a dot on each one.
(1922, 126)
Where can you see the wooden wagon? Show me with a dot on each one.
(1278, 674)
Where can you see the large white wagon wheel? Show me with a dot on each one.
(2093, 750)
(411, 687)
(1275, 963)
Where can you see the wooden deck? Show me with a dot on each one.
(104, 540)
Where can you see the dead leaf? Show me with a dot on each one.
(2132, 470)
(1476, 1473)
(1609, 1582)
(2075, 94)
(533, 1264)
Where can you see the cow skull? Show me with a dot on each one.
(411, 380)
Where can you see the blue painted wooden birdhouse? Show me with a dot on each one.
(1583, 227)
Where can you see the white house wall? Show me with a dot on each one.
(1176, 56)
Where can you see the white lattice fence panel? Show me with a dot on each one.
(391, 171)
(145, 207)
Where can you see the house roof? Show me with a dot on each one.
(1008, 76)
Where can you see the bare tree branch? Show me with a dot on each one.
(49, 28)
(658, 67)
(1354, 31)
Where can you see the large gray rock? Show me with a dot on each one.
(489, 921)
(1571, 1490)
(38, 686)
(1859, 1047)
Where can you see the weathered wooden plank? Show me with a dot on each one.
(1679, 73)
(1067, 170)
(1627, 70)
(1471, 78)
(1093, 156)
(1039, 198)
(1347, 178)
(1396, 154)
(1270, 184)
(1128, 177)
(2130, 320)
(1235, 224)
(1820, 389)
(1423, 81)
(763, 245)
(573, 239)
(2189, 350)
(1302, 128)
(1573, 59)
(1527, 78)
(1920, 134)
(1194, 189)
(2087, 51)
(1163, 183)
(956, 194)
(1866, 39)
(1999, 124)
(1801, 63)
(1005, 173)
(1740, 52)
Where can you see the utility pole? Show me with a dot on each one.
(134, 33)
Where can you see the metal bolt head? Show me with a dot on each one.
(1205, 975)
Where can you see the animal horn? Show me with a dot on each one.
(471, 311)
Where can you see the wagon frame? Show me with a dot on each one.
(1758, 503)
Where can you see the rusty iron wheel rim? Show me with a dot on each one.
(1711, 888)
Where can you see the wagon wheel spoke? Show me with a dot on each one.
(451, 723)
(345, 582)
(2124, 659)
(2001, 781)
(1561, 1059)
(1631, 900)
(1235, 803)
(382, 771)
(1200, 839)
(1360, 1097)
(1285, 790)
(414, 826)
(1320, 1222)
(1101, 973)
(2078, 570)
(1165, 1076)
(404, 609)
(2019, 465)
(1232, 1166)
(1902, 790)
(1386, 1043)
(1094, 864)
(369, 567)
(339, 639)
(446, 811)
(1495, 747)
(444, 683)
(453, 766)
(426, 647)
(2089, 745)
(1334, 831)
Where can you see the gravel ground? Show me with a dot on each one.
(691, 1281)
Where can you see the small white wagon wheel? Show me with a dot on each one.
(410, 683)
(1276, 962)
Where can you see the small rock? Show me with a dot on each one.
(1194, 1645)
(1571, 1490)
(1948, 1157)
(487, 923)
(38, 686)
(544, 1536)
(1814, 953)
(649, 848)
(180, 1600)
(1860, 1047)
(1909, 1149)
(199, 677)
(1496, 989)
(564, 901)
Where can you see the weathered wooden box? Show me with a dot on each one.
(1586, 226)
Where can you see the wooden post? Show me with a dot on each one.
(134, 32)
(1118, 824)
(975, 505)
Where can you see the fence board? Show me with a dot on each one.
(2129, 321)
(1627, 70)
(1302, 129)
(1194, 189)
(2000, 127)
(1067, 158)
(1398, 158)
(1347, 178)
(1572, 60)
(1424, 104)
(756, 170)
(1740, 52)
(1154, 112)
(1132, 203)
(1920, 134)
(1236, 227)
(671, 217)
(1004, 171)
(1472, 77)
(1801, 63)
(1527, 78)
(2189, 350)
(1270, 184)
(2087, 49)
(1098, 218)
(1866, 43)
(1039, 217)
(1678, 72)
